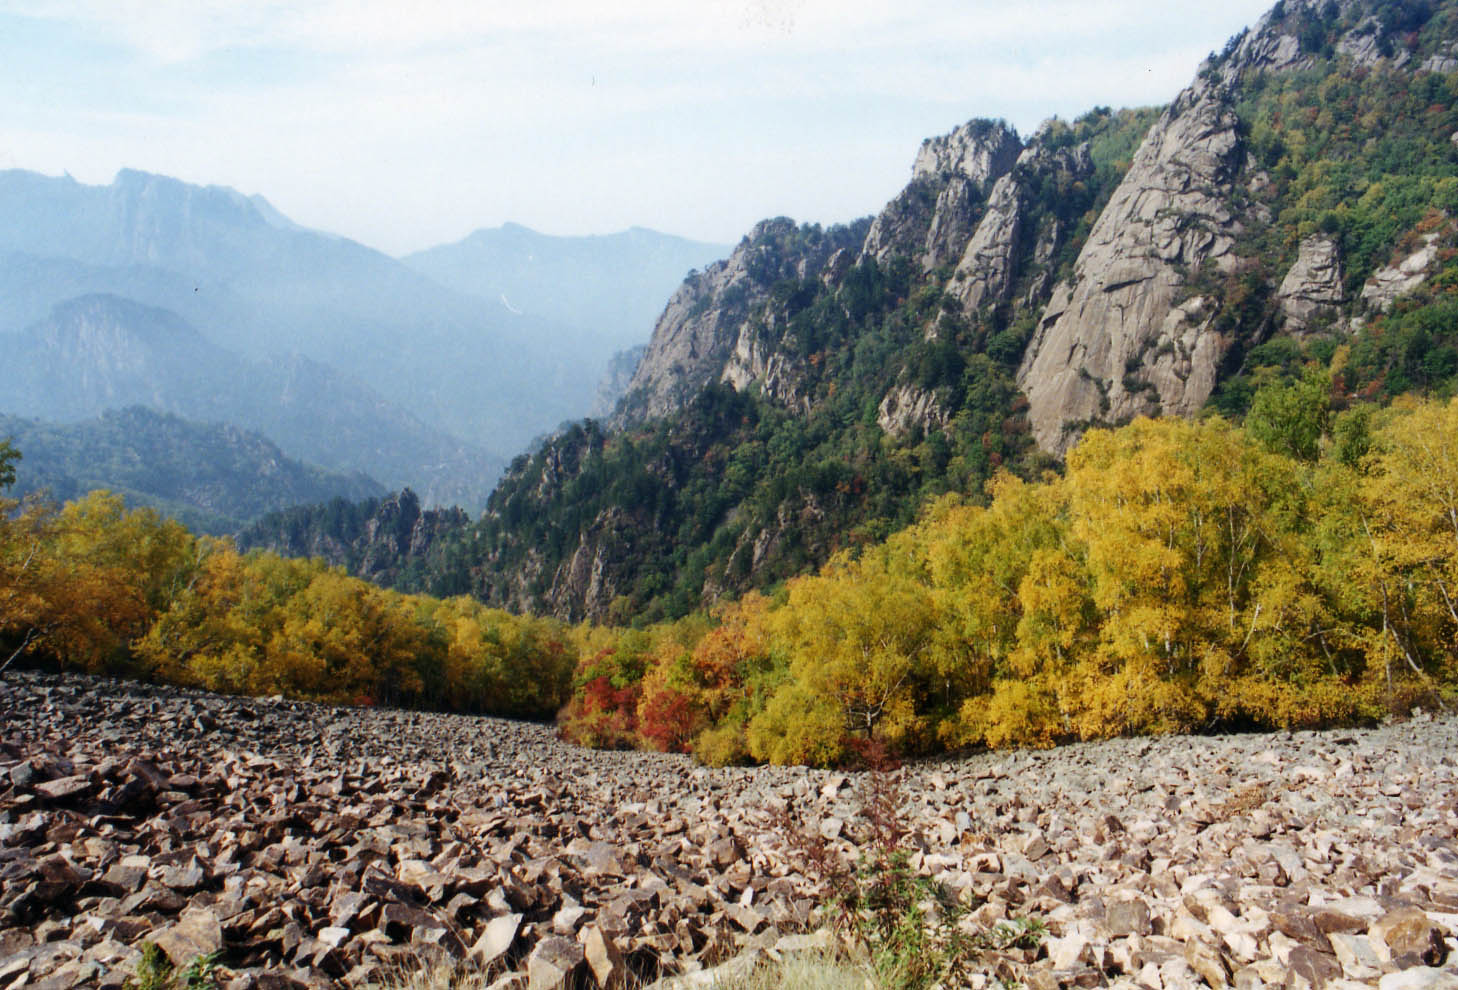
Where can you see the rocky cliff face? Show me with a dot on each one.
(1312, 289)
(1135, 330)
(990, 263)
(1123, 308)
(934, 216)
(703, 327)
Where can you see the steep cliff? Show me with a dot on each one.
(705, 323)
(1160, 297)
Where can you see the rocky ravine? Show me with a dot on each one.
(313, 845)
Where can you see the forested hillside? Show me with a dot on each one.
(211, 477)
(1177, 576)
(1293, 209)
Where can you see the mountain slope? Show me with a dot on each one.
(1290, 215)
(1196, 260)
(617, 281)
(102, 352)
(213, 477)
(259, 285)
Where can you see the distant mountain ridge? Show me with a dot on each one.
(101, 352)
(257, 284)
(618, 281)
(214, 478)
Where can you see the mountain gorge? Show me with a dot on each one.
(1288, 215)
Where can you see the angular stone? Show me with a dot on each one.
(1311, 969)
(497, 938)
(603, 958)
(197, 933)
(745, 917)
(64, 787)
(564, 922)
(1419, 978)
(1067, 952)
(1408, 932)
(1328, 921)
(1129, 917)
(185, 879)
(1297, 924)
(553, 962)
(1209, 962)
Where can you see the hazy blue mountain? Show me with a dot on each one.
(257, 284)
(612, 286)
(213, 477)
(101, 352)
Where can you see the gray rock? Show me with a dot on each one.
(1312, 287)
(553, 963)
(1128, 917)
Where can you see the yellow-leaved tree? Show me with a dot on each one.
(858, 636)
(1199, 567)
(1406, 551)
(1012, 595)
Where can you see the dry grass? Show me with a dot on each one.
(826, 969)
(432, 976)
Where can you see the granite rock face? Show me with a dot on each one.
(932, 219)
(702, 329)
(312, 846)
(1126, 306)
(1136, 330)
(1312, 288)
(1390, 282)
(717, 328)
(989, 264)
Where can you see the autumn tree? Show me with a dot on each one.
(8, 456)
(1406, 561)
(858, 636)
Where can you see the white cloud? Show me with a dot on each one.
(402, 125)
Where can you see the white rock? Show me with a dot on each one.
(1419, 978)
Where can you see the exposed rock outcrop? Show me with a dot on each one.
(1130, 334)
(1312, 288)
(1124, 308)
(932, 219)
(989, 264)
(588, 580)
(908, 407)
(1390, 282)
(701, 328)
(754, 361)
(980, 150)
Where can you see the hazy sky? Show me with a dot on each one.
(404, 125)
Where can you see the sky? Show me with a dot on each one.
(406, 125)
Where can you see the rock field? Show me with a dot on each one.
(319, 846)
